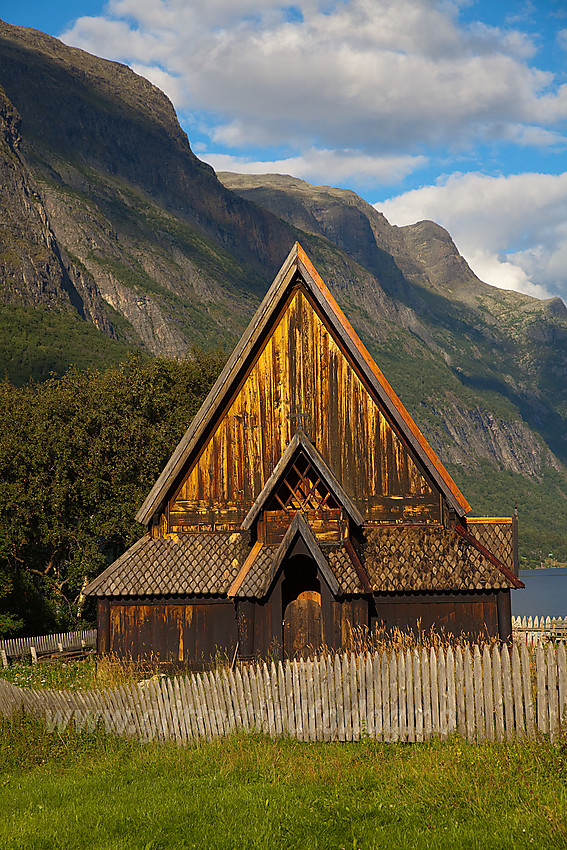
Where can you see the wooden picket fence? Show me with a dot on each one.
(534, 630)
(17, 647)
(410, 695)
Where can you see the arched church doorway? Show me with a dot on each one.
(301, 607)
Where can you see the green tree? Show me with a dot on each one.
(77, 456)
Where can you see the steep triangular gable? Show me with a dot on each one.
(300, 308)
(299, 528)
(300, 442)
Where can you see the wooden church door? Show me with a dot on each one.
(301, 604)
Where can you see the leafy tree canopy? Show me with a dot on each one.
(78, 454)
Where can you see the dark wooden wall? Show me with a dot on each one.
(193, 632)
(260, 624)
(199, 633)
(477, 615)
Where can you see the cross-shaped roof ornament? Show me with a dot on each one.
(299, 414)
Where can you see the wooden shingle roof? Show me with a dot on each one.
(197, 564)
(429, 558)
(209, 565)
(395, 559)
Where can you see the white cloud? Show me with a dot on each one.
(512, 230)
(324, 166)
(374, 74)
(172, 86)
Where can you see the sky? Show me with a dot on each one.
(450, 110)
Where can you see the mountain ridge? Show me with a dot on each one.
(109, 220)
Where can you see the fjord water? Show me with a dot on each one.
(545, 594)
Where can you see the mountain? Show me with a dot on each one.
(116, 219)
(115, 235)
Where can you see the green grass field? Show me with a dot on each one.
(98, 791)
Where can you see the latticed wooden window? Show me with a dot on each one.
(302, 490)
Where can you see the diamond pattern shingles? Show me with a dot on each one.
(497, 537)
(345, 573)
(422, 559)
(260, 576)
(193, 564)
(395, 558)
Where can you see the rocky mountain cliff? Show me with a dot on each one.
(116, 235)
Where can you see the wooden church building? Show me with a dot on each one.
(303, 502)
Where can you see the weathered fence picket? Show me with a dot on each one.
(532, 631)
(18, 647)
(488, 696)
(398, 696)
(542, 716)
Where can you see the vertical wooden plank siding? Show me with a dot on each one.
(360, 446)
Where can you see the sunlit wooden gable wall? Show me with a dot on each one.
(301, 367)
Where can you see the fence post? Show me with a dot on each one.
(4, 658)
(451, 695)
(443, 689)
(426, 683)
(498, 702)
(478, 695)
(469, 694)
(394, 716)
(508, 698)
(434, 691)
(552, 693)
(488, 698)
(562, 674)
(385, 698)
(378, 725)
(542, 715)
(417, 700)
(527, 689)
(518, 702)
(409, 698)
(402, 701)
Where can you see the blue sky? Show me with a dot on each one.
(453, 110)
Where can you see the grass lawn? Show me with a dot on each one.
(98, 791)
